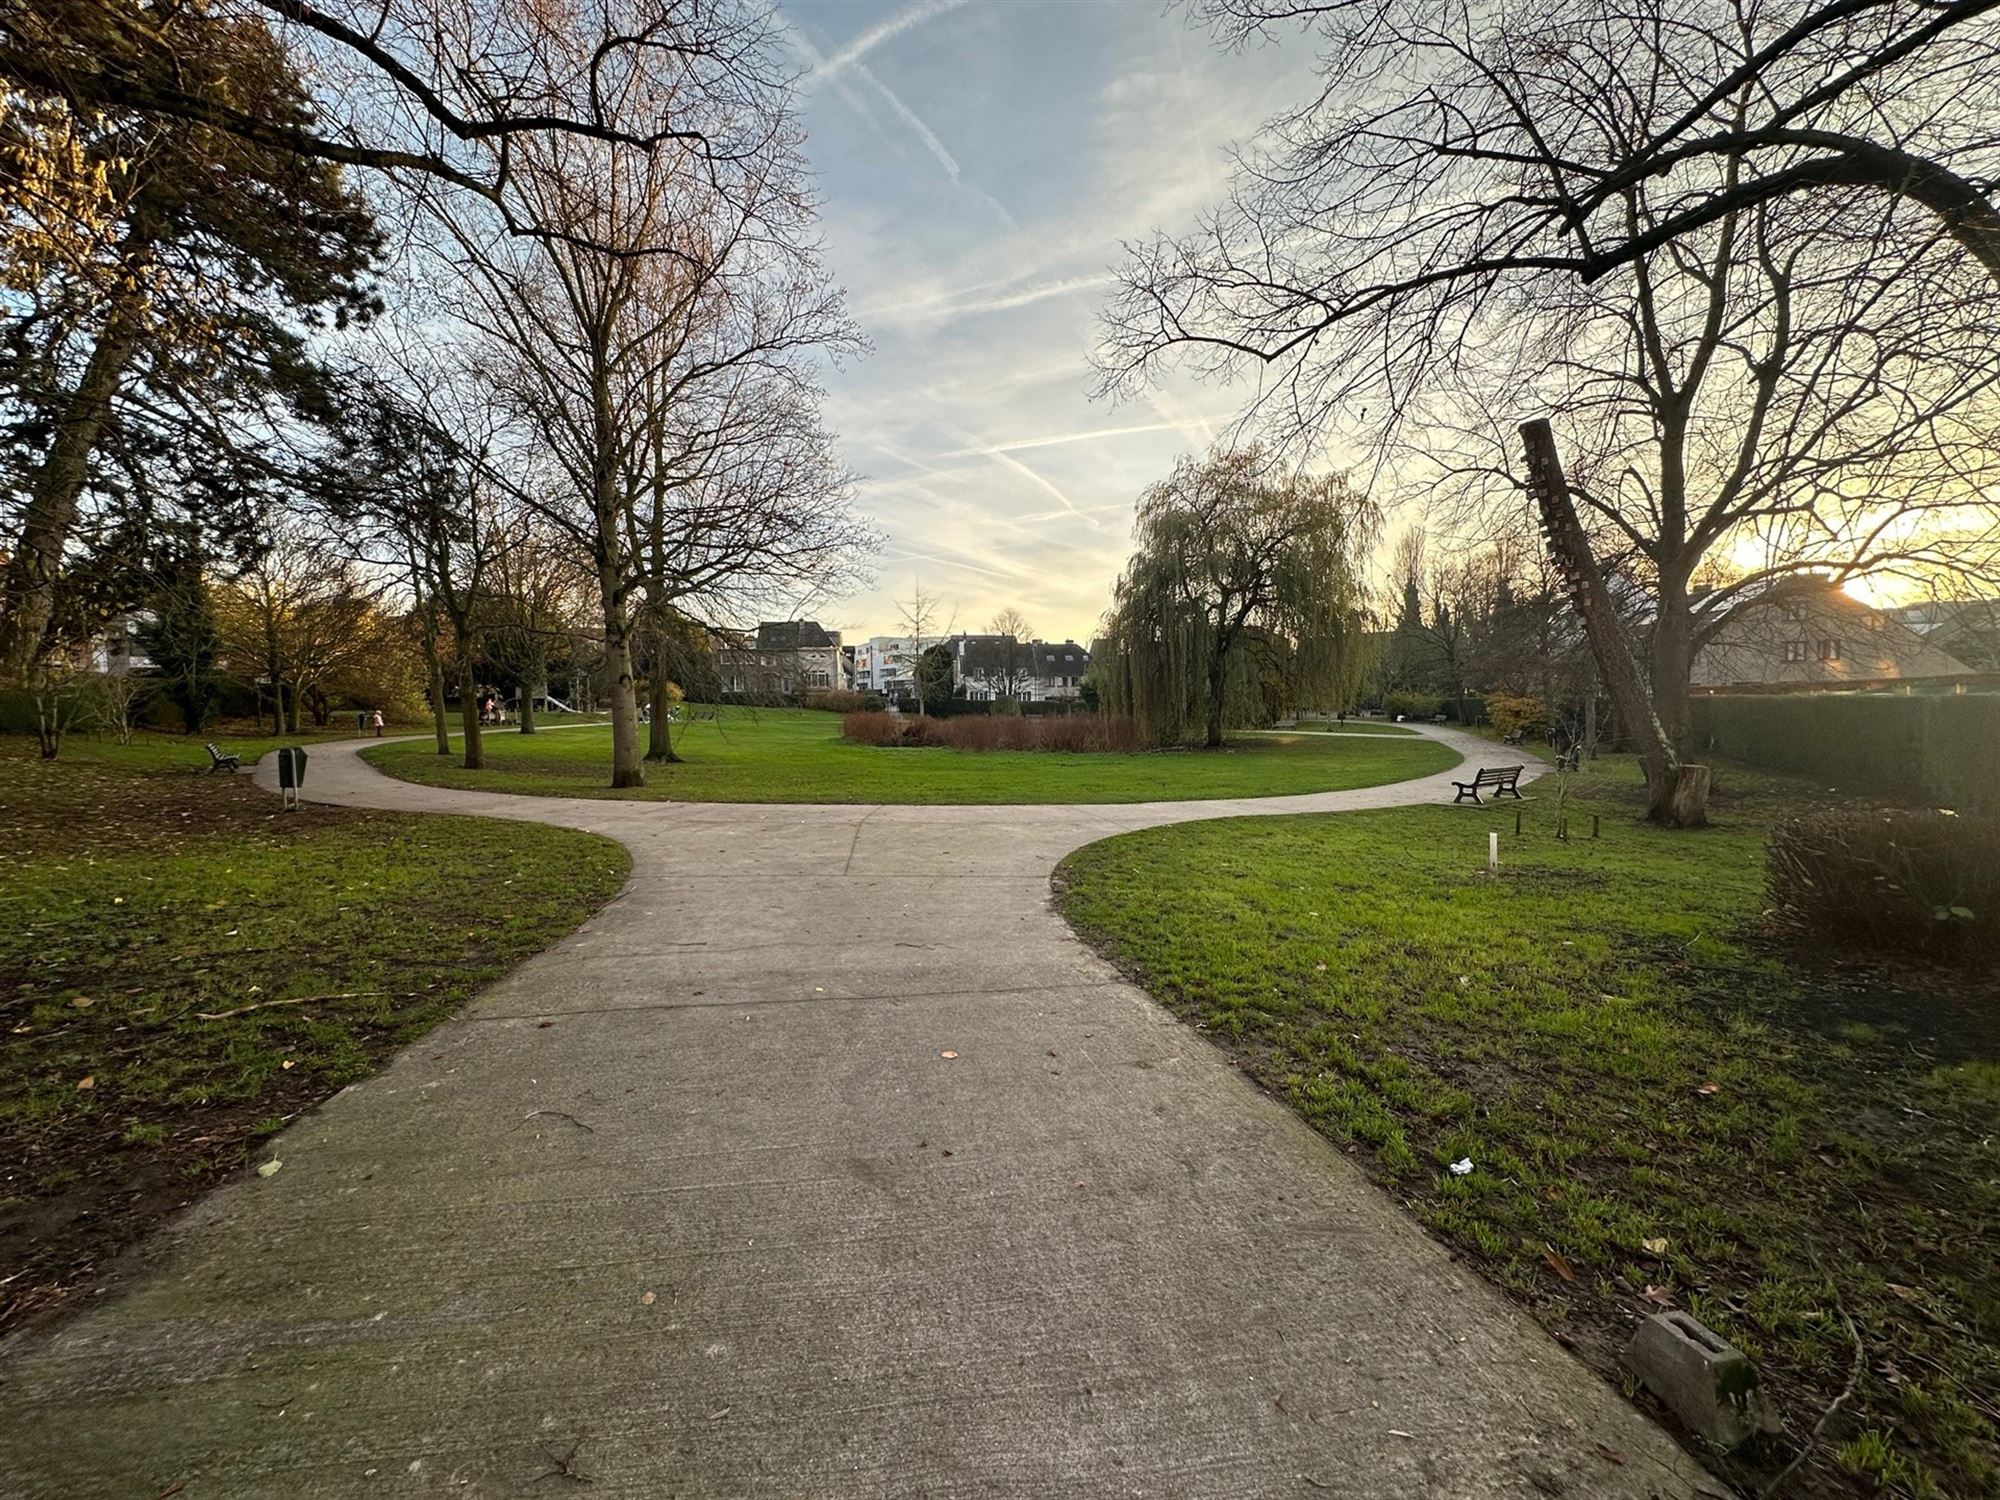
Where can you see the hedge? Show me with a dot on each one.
(1942, 750)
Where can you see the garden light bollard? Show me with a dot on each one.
(1493, 853)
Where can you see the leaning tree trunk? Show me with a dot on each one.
(468, 717)
(1676, 795)
(28, 588)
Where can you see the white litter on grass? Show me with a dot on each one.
(1462, 1167)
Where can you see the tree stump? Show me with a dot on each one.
(1683, 801)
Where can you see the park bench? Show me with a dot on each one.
(1502, 780)
(1514, 737)
(217, 761)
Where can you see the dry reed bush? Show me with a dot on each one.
(1077, 733)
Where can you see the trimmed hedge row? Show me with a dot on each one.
(1941, 750)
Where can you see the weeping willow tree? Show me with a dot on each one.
(1244, 598)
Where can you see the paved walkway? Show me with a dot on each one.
(698, 1203)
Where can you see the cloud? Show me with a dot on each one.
(1056, 439)
(875, 36)
(965, 302)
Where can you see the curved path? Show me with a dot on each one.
(825, 1161)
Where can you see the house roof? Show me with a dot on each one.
(996, 654)
(1783, 644)
(793, 635)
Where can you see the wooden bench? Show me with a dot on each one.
(1514, 737)
(1502, 780)
(217, 761)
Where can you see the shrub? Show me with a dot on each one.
(1511, 712)
(1413, 705)
(1072, 732)
(1914, 882)
(843, 700)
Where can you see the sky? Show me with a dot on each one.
(979, 163)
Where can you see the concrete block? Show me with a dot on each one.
(1709, 1383)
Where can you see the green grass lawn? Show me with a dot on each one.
(797, 755)
(1660, 1100)
(146, 901)
(1354, 726)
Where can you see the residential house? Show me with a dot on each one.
(781, 659)
(988, 667)
(1968, 629)
(1818, 638)
(885, 664)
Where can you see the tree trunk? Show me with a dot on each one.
(438, 720)
(1673, 663)
(434, 678)
(529, 692)
(28, 589)
(468, 717)
(660, 732)
(1217, 683)
(1668, 800)
(626, 767)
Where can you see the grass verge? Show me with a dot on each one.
(797, 755)
(163, 928)
(1664, 1106)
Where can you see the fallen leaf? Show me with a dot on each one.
(1907, 1293)
(1659, 1296)
(288, 1065)
(1654, 1247)
(87, 1083)
(81, 1003)
(649, 1299)
(543, 1025)
(1557, 1264)
(947, 1054)
(1610, 1455)
(269, 1168)
(1707, 1089)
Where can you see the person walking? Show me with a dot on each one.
(376, 720)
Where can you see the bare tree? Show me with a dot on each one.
(924, 619)
(438, 94)
(1451, 143)
(659, 282)
(745, 506)
(1016, 651)
(1797, 387)
(537, 594)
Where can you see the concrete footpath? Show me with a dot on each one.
(823, 1162)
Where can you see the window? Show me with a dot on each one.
(1795, 650)
(1829, 650)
